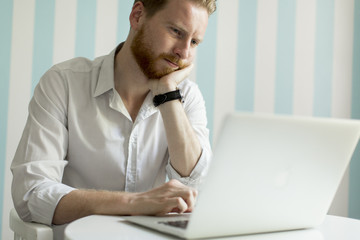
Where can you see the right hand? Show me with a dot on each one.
(170, 81)
(170, 197)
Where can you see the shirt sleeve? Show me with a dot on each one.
(39, 161)
(194, 106)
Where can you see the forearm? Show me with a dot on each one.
(81, 203)
(172, 196)
(183, 144)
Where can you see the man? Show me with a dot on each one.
(102, 135)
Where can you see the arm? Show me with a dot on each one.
(171, 197)
(39, 161)
(184, 128)
(184, 147)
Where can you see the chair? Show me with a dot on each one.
(28, 231)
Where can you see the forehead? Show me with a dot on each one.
(185, 14)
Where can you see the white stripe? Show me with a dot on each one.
(64, 30)
(106, 24)
(342, 82)
(225, 78)
(343, 57)
(265, 68)
(19, 90)
(304, 57)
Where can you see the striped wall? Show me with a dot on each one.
(298, 57)
(6, 7)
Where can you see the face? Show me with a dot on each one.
(167, 41)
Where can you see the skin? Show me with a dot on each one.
(171, 37)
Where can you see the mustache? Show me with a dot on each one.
(175, 60)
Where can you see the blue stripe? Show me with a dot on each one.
(124, 9)
(285, 57)
(85, 28)
(354, 188)
(323, 57)
(246, 55)
(43, 39)
(6, 10)
(206, 65)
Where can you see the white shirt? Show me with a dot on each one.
(80, 135)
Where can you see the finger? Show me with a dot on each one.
(184, 73)
(180, 206)
(180, 190)
(175, 204)
(179, 75)
(195, 192)
(188, 196)
(191, 200)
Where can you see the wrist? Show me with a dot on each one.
(110, 203)
(135, 203)
(163, 90)
(161, 86)
(166, 97)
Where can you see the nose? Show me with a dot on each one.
(183, 49)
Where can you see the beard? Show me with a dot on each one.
(147, 59)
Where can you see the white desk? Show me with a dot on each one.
(112, 227)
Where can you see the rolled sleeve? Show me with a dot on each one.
(47, 196)
(36, 190)
(197, 175)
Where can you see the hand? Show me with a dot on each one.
(170, 197)
(170, 81)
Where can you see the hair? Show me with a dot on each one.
(153, 6)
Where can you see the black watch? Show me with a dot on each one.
(169, 96)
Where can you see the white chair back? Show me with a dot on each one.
(27, 230)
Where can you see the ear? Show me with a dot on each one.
(137, 13)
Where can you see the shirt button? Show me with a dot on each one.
(133, 139)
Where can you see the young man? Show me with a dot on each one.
(102, 135)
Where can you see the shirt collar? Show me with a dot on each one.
(105, 80)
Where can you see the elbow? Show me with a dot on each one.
(21, 207)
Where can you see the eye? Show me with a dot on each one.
(177, 32)
(194, 42)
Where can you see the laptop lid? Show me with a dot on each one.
(270, 173)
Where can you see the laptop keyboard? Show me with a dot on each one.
(179, 224)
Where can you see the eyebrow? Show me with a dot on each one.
(183, 30)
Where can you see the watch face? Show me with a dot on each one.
(159, 99)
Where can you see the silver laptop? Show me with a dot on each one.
(269, 173)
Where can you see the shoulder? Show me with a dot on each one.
(188, 86)
(78, 65)
(192, 97)
(74, 71)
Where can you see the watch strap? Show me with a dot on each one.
(169, 96)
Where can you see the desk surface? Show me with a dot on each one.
(113, 227)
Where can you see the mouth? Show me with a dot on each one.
(172, 64)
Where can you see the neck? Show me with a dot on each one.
(130, 82)
(128, 77)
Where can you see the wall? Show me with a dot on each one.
(276, 56)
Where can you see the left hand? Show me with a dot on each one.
(170, 81)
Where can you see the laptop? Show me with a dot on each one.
(269, 173)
